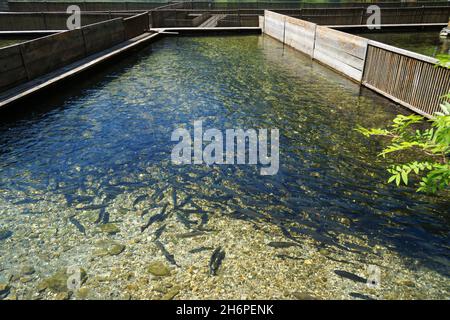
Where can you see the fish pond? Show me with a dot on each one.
(87, 184)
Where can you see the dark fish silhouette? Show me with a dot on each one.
(77, 224)
(157, 217)
(166, 253)
(185, 221)
(350, 276)
(191, 234)
(200, 249)
(93, 207)
(5, 234)
(360, 296)
(26, 201)
(140, 199)
(103, 216)
(281, 244)
(184, 202)
(216, 260)
(159, 231)
(174, 197)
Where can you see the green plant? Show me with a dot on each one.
(431, 146)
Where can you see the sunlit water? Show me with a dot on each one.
(97, 157)
(428, 43)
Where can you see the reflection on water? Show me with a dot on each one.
(89, 182)
(428, 43)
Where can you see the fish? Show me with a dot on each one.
(357, 248)
(216, 260)
(5, 234)
(200, 249)
(285, 256)
(32, 212)
(26, 201)
(157, 217)
(140, 199)
(187, 223)
(174, 197)
(319, 237)
(101, 215)
(190, 234)
(159, 231)
(281, 244)
(360, 296)
(105, 218)
(350, 276)
(204, 219)
(77, 224)
(166, 253)
(184, 202)
(94, 207)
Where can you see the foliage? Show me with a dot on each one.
(431, 144)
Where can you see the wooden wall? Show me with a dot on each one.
(28, 60)
(408, 78)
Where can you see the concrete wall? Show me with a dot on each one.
(341, 51)
(28, 60)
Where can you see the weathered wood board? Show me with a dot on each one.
(300, 35)
(341, 51)
(102, 35)
(274, 25)
(48, 53)
(12, 70)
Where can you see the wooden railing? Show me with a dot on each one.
(410, 79)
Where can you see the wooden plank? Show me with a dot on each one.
(102, 35)
(48, 53)
(12, 70)
(274, 25)
(342, 41)
(337, 65)
(300, 35)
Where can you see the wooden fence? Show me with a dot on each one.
(26, 61)
(408, 78)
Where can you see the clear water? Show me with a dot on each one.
(106, 141)
(428, 43)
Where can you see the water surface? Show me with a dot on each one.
(99, 153)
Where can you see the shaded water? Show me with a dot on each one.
(428, 43)
(79, 179)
